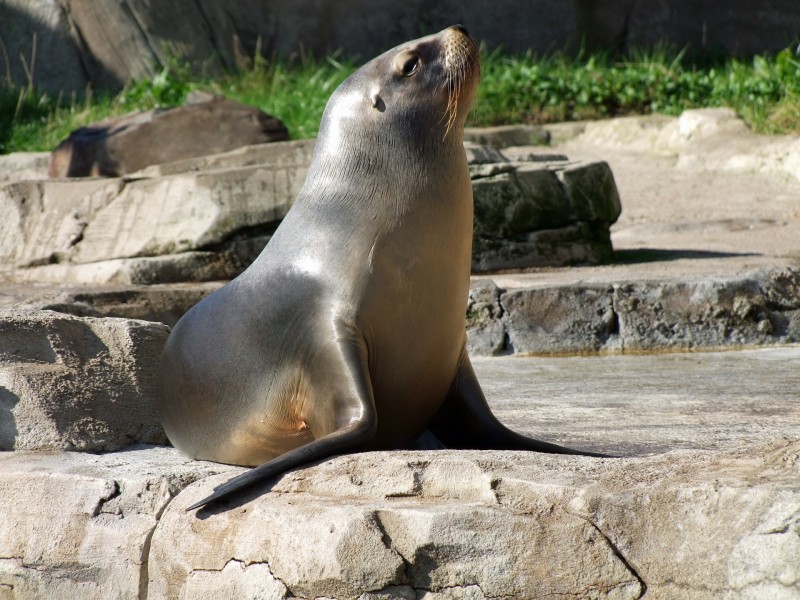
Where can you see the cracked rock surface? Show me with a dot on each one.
(77, 525)
(704, 501)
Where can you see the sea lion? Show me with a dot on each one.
(348, 332)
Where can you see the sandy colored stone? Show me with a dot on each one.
(145, 220)
(76, 525)
(704, 503)
(77, 383)
(162, 303)
(445, 531)
(43, 220)
(151, 228)
(23, 166)
(701, 139)
(503, 525)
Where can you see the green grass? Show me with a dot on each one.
(765, 91)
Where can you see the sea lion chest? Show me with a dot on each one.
(412, 309)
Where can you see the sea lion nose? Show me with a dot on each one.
(460, 29)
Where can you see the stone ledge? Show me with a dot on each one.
(705, 505)
(609, 313)
(505, 524)
(429, 524)
(161, 303)
(752, 309)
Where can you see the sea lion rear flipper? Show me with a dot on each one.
(348, 425)
(465, 421)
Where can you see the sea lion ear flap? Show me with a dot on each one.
(376, 100)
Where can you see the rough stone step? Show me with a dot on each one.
(750, 309)
(705, 505)
(159, 303)
(78, 525)
(588, 312)
(208, 217)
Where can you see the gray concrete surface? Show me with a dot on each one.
(639, 405)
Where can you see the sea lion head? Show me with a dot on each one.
(418, 93)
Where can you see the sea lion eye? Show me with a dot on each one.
(410, 66)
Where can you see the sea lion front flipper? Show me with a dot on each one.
(465, 421)
(349, 424)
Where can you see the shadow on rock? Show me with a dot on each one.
(8, 424)
(647, 255)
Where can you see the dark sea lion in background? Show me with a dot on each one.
(348, 332)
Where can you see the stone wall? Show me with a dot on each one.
(69, 44)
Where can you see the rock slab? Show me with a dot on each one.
(150, 229)
(752, 309)
(755, 308)
(498, 525)
(207, 218)
(704, 504)
(434, 525)
(71, 383)
(531, 213)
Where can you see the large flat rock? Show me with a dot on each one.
(497, 524)
(100, 230)
(704, 502)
